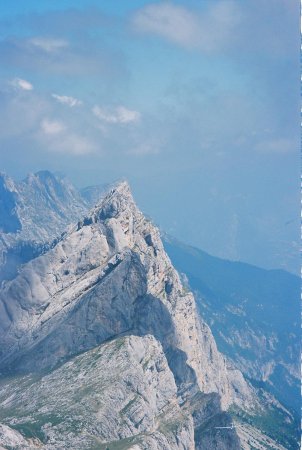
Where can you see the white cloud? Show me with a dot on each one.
(206, 31)
(33, 119)
(117, 115)
(52, 127)
(65, 100)
(175, 23)
(125, 115)
(56, 137)
(19, 83)
(20, 115)
(48, 45)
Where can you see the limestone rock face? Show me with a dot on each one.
(102, 346)
(10, 438)
(109, 275)
(125, 384)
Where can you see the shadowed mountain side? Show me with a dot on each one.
(253, 313)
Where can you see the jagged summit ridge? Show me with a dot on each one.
(117, 201)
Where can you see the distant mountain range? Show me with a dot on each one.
(102, 344)
(36, 211)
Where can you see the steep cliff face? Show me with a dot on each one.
(253, 314)
(125, 384)
(102, 346)
(107, 276)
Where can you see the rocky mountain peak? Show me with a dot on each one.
(118, 213)
(42, 175)
(118, 200)
(9, 221)
(112, 270)
(51, 187)
(104, 306)
(39, 208)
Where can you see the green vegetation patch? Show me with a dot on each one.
(273, 423)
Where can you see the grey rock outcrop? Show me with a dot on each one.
(128, 389)
(129, 361)
(12, 439)
(107, 276)
(121, 394)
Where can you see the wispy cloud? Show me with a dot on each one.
(66, 100)
(118, 115)
(55, 136)
(207, 31)
(81, 57)
(175, 23)
(52, 127)
(49, 45)
(278, 145)
(224, 25)
(21, 114)
(19, 83)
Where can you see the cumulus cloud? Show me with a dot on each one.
(66, 100)
(205, 31)
(24, 85)
(118, 115)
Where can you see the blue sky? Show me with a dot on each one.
(195, 102)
